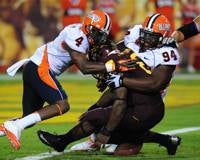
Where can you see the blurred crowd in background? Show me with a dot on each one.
(27, 24)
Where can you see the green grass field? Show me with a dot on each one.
(182, 111)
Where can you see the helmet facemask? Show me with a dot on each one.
(149, 40)
(96, 36)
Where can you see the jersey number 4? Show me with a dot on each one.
(169, 55)
(79, 41)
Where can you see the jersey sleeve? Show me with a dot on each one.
(75, 39)
(131, 37)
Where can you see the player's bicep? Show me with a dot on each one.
(77, 58)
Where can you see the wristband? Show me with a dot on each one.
(110, 65)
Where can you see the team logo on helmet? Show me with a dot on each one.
(94, 17)
(164, 27)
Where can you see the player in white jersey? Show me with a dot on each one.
(52, 59)
(145, 41)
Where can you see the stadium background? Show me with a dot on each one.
(20, 24)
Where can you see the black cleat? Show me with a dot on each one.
(174, 142)
(51, 140)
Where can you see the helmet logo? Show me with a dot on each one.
(94, 17)
(164, 27)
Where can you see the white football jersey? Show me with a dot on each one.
(58, 58)
(155, 57)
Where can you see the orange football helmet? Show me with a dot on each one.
(96, 25)
(155, 28)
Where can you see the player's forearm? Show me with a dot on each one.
(118, 108)
(187, 31)
(158, 80)
(92, 68)
(178, 36)
(143, 84)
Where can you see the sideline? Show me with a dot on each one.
(52, 154)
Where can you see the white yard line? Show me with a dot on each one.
(183, 130)
(43, 155)
(52, 154)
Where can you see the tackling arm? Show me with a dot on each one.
(86, 66)
(158, 80)
(187, 31)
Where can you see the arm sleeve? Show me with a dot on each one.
(189, 30)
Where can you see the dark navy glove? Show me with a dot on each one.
(170, 42)
(114, 81)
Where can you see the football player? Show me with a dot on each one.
(165, 59)
(50, 60)
(146, 43)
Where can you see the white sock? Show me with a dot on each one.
(28, 120)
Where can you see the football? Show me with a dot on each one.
(106, 52)
(127, 149)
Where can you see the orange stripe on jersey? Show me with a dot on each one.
(43, 71)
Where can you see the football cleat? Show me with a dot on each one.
(174, 142)
(51, 140)
(13, 133)
(84, 146)
(110, 148)
(2, 131)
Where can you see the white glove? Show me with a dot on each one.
(114, 81)
(170, 42)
